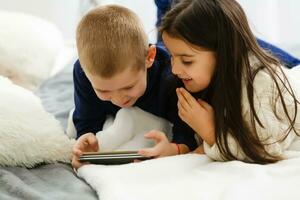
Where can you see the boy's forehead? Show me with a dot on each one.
(116, 82)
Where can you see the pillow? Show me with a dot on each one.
(29, 135)
(29, 47)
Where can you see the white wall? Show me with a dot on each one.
(66, 13)
(63, 13)
(145, 9)
(277, 21)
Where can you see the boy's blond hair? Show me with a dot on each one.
(109, 39)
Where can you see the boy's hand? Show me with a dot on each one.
(198, 114)
(86, 143)
(162, 148)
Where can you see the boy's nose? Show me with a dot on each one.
(117, 98)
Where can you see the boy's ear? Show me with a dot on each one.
(150, 55)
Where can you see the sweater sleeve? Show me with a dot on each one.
(89, 114)
(273, 134)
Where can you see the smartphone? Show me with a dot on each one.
(111, 158)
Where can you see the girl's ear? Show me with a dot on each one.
(150, 56)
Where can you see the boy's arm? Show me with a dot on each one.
(89, 114)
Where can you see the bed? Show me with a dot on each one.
(187, 176)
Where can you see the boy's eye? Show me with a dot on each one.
(187, 62)
(103, 92)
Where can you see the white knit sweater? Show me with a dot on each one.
(274, 131)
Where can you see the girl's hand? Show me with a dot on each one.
(162, 145)
(198, 114)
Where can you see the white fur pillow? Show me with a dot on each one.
(28, 134)
(29, 47)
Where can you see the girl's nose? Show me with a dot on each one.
(175, 68)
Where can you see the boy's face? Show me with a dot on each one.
(123, 89)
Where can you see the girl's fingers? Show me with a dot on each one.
(187, 96)
(181, 113)
(180, 107)
(184, 104)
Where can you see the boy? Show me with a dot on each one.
(117, 68)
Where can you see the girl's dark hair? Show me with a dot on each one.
(221, 26)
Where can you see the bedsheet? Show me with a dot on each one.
(44, 182)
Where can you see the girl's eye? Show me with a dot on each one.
(128, 88)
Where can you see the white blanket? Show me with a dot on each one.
(196, 177)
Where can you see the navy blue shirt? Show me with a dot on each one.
(159, 99)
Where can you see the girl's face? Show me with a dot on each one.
(194, 65)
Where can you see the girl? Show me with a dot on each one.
(236, 96)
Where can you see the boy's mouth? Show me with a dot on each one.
(126, 103)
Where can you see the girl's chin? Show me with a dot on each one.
(192, 89)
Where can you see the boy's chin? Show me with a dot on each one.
(127, 104)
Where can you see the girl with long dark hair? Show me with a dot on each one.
(237, 97)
